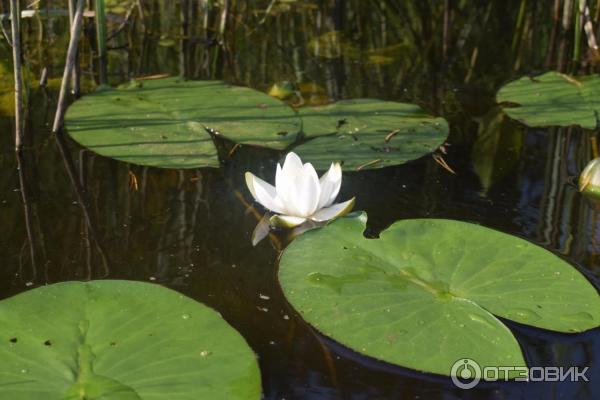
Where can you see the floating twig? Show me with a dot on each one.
(390, 135)
(365, 165)
(440, 160)
(571, 80)
(234, 149)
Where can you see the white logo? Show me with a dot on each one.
(466, 373)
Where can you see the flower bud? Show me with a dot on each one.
(589, 180)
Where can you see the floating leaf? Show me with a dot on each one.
(368, 133)
(120, 340)
(163, 122)
(427, 292)
(554, 99)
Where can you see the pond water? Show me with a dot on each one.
(90, 217)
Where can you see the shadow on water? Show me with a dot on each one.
(68, 213)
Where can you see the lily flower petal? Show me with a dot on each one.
(292, 162)
(286, 221)
(264, 193)
(306, 191)
(336, 210)
(331, 181)
(285, 182)
(297, 186)
(281, 186)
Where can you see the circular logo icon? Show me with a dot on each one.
(466, 373)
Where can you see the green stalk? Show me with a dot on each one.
(101, 40)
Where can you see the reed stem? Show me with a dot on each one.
(15, 13)
(69, 65)
(76, 74)
(578, 17)
(101, 40)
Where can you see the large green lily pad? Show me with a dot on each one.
(368, 133)
(120, 340)
(162, 122)
(428, 291)
(553, 99)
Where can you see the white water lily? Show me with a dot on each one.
(299, 195)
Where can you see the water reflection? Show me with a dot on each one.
(35, 243)
(89, 230)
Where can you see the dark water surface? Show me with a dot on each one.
(190, 230)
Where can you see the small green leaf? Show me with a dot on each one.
(553, 99)
(427, 292)
(162, 122)
(120, 340)
(368, 133)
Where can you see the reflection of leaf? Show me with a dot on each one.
(118, 6)
(497, 149)
(332, 45)
(301, 94)
(554, 99)
(428, 291)
(163, 122)
(380, 60)
(387, 55)
(313, 94)
(277, 7)
(120, 340)
(166, 41)
(7, 89)
(360, 128)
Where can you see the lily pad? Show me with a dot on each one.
(368, 133)
(428, 291)
(553, 99)
(162, 121)
(120, 340)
